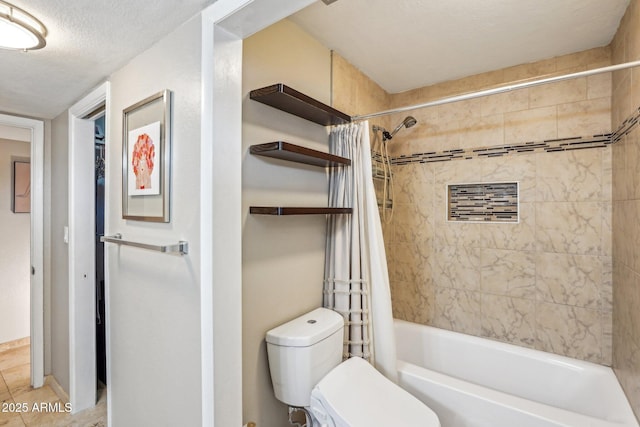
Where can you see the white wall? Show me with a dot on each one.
(154, 298)
(14, 251)
(59, 289)
(283, 257)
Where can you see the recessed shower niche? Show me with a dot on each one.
(483, 202)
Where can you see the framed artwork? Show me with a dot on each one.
(146, 159)
(21, 186)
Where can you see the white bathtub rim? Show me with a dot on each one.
(558, 359)
(534, 409)
(620, 412)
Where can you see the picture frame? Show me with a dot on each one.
(146, 159)
(21, 186)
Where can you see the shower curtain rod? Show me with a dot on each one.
(501, 89)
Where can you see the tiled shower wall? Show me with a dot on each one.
(626, 210)
(544, 282)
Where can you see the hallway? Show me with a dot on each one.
(23, 406)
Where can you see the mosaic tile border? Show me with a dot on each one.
(548, 146)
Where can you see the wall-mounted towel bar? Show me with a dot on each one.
(181, 247)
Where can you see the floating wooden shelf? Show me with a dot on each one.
(290, 100)
(271, 210)
(295, 153)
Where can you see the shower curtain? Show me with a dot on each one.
(356, 277)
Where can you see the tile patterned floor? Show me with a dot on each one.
(43, 406)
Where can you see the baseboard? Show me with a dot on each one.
(20, 342)
(59, 391)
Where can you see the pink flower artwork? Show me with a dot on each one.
(144, 160)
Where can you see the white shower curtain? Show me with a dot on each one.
(356, 277)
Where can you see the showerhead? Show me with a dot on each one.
(407, 123)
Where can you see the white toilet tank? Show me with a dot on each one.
(302, 351)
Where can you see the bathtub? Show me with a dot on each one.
(476, 382)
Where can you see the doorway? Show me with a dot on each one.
(101, 320)
(36, 130)
(83, 377)
(15, 210)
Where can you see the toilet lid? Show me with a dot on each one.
(355, 394)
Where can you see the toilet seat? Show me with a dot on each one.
(355, 394)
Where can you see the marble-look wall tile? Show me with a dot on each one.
(626, 300)
(437, 136)
(413, 223)
(632, 169)
(626, 363)
(482, 131)
(607, 338)
(585, 59)
(485, 278)
(607, 229)
(591, 117)
(626, 328)
(530, 70)
(456, 233)
(607, 173)
(458, 111)
(606, 290)
(622, 246)
(520, 168)
(572, 331)
(506, 102)
(623, 105)
(558, 93)
(569, 176)
(457, 310)
(344, 93)
(388, 232)
(413, 183)
(535, 124)
(599, 86)
(413, 302)
(405, 180)
(456, 267)
(569, 227)
(410, 266)
(509, 319)
(454, 172)
(520, 236)
(574, 280)
(632, 228)
(508, 273)
(635, 85)
(619, 169)
(392, 260)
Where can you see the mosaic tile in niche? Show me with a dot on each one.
(488, 202)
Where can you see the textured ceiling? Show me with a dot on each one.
(405, 44)
(87, 41)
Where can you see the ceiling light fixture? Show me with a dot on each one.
(19, 30)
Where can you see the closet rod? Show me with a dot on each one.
(502, 89)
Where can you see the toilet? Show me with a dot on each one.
(307, 371)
